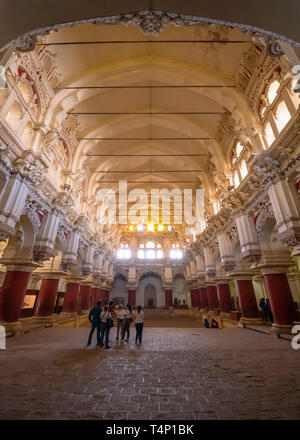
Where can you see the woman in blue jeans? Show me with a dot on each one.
(139, 324)
(104, 327)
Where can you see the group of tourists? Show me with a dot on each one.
(102, 320)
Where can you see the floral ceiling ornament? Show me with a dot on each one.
(151, 22)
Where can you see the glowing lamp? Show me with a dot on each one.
(150, 227)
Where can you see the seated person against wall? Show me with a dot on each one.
(214, 324)
(206, 323)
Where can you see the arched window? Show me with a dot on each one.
(282, 116)
(243, 169)
(269, 134)
(150, 254)
(176, 254)
(14, 114)
(159, 254)
(142, 245)
(27, 133)
(239, 149)
(272, 91)
(236, 179)
(141, 253)
(150, 244)
(124, 253)
(26, 91)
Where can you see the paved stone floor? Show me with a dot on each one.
(177, 373)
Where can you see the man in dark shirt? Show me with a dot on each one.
(94, 317)
(262, 305)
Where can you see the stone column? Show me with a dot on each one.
(247, 300)
(94, 295)
(286, 207)
(168, 297)
(281, 299)
(106, 295)
(209, 259)
(224, 298)
(46, 298)
(200, 267)
(12, 203)
(203, 298)
(71, 298)
(249, 241)
(12, 294)
(212, 296)
(226, 252)
(194, 297)
(132, 297)
(45, 242)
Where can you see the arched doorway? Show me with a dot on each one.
(150, 295)
(150, 291)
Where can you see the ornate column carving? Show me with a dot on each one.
(11, 205)
(88, 260)
(249, 241)
(226, 252)
(200, 267)
(286, 208)
(210, 267)
(45, 241)
(70, 254)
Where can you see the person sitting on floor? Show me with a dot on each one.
(206, 323)
(214, 324)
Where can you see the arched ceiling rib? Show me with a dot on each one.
(139, 118)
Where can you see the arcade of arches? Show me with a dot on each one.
(201, 106)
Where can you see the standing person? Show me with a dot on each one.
(106, 319)
(269, 311)
(120, 320)
(94, 318)
(127, 322)
(262, 305)
(111, 307)
(139, 324)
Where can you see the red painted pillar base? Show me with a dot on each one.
(132, 297)
(194, 298)
(71, 298)
(224, 297)
(84, 295)
(281, 300)
(46, 298)
(12, 295)
(212, 296)
(203, 298)
(106, 296)
(247, 300)
(93, 296)
(168, 297)
(101, 295)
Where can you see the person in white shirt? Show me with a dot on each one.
(105, 318)
(120, 320)
(127, 322)
(139, 324)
